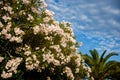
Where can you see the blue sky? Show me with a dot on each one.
(96, 23)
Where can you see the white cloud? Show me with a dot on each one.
(89, 5)
(81, 27)
(85, 18)
(94, 11)
(114, 22)
(91, 20)
(54, 7)
(50, 1)
(111, 10)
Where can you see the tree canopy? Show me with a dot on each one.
(32, 42)
(100, 65)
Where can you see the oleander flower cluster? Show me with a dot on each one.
(31, 40)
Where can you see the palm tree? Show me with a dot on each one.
(101, 66)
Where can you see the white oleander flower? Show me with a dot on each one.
(13, 63)
(1, 59)
(18, 50)
(49, 13)
(48, 78)
(26, 1)
(46, 19)
(4, 32)
(77, 70)
(89, 69)
(27, 53)
(16, 39)
(11, 67)
(48, 57)
(44, 5)
(34, 10)
(56, 62)
(8, 8)
(18, 31)
(36, 29)
(30, 17)
(6, 75)
(8, 27)
(42, 0)
(6, 18)
(69, 73)
(67, 59)
(61, 56)
(1, 2)
(56, 47)
(8, 36)
(32, 63)
(78, 60)
(12, 39)
(37, 48)
(1, 25)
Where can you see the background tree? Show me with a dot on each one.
(115, 73)
(101, 66)
(33, 45)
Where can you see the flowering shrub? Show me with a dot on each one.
(33, 45)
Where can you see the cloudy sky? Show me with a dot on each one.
(96, 23)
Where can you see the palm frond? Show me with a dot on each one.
(95, 55)
(88, 59)
(109, 55)
(109, 67)
(102, 56)
(101, 66)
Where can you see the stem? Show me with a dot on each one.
(9, 54)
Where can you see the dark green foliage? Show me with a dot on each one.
(101, 66)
